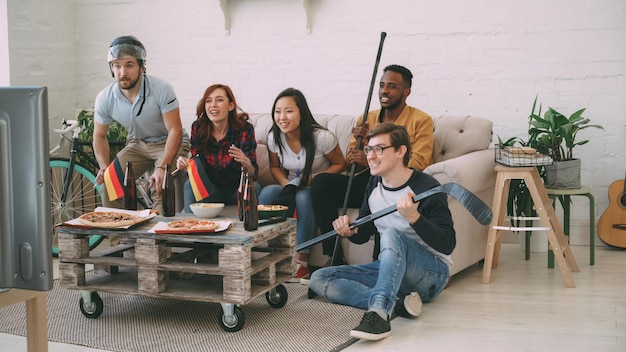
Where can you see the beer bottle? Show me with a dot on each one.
(250, 203)
(130, 192)
(240, 192)
(168, 194)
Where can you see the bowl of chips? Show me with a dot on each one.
(270, 211)
(207, 210)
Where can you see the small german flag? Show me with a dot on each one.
(198, 179)
(113, 179)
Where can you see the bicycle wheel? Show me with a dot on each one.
(82, 197)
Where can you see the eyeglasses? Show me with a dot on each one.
(377, 149)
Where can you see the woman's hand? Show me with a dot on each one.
(239, 156)
(181, 163)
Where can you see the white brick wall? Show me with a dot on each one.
(484, 57)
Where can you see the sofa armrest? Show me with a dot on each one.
(474, 171)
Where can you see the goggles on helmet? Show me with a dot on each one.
(120, 50)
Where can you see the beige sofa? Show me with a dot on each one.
(461, 155)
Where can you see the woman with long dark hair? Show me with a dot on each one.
(299, 148)
(223, 140)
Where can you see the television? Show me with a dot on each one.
(25, 220)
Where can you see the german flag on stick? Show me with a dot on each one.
(113, 179)
(198, 178)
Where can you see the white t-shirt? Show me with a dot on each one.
(325, 142)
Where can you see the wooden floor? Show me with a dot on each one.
(526, 307)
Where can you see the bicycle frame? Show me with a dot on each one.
(70, 169)
(73, 186)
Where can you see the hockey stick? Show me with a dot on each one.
(359, 140)
(479, 210)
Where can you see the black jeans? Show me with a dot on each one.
(327, 193)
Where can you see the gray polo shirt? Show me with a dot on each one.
(160, 98)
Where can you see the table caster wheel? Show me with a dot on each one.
(92, 306)
(277, 297)
(234, 322)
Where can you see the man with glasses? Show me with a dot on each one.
(415, 241)
(147, 107)
(394, 88)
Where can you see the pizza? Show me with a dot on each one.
(271, 207)
(108, 219)
(193, 225)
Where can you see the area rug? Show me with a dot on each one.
(137, 323)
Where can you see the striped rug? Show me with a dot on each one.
(138, 323)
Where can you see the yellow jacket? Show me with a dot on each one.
(420, 127)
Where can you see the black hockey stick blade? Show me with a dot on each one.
(479, 210)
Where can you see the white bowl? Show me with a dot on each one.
(207, 210)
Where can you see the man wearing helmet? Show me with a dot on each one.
(147, 107)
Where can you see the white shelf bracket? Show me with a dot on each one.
(307, 12)
(225, 5)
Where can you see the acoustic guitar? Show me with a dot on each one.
(612, 223)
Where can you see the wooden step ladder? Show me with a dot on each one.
(543, 206)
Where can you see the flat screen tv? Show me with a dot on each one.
(25, 221)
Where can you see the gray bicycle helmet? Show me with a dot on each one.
(127, 45)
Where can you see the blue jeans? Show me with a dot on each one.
(226, 195)
(306, 226)
(403, 267)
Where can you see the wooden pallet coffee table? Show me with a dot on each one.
(231, 267)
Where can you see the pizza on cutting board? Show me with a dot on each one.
(193, 225)
(108, 219)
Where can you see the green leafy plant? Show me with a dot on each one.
(116, 136)
(117, 132)
(552, 134)
(555, 134)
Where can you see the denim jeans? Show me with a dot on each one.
(306, 226)
(403, 267)
(226, 195)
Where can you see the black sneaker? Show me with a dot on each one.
(410, 306)
(372, 327)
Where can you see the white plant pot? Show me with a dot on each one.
(538, 239)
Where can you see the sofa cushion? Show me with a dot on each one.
(340, 125)
(265, 177)
(456, 136)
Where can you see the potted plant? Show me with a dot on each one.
(117, 135)
(555, 134)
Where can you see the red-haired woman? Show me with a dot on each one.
(224, 141)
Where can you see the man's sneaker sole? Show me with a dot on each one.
(368, 336)
(413, 304)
